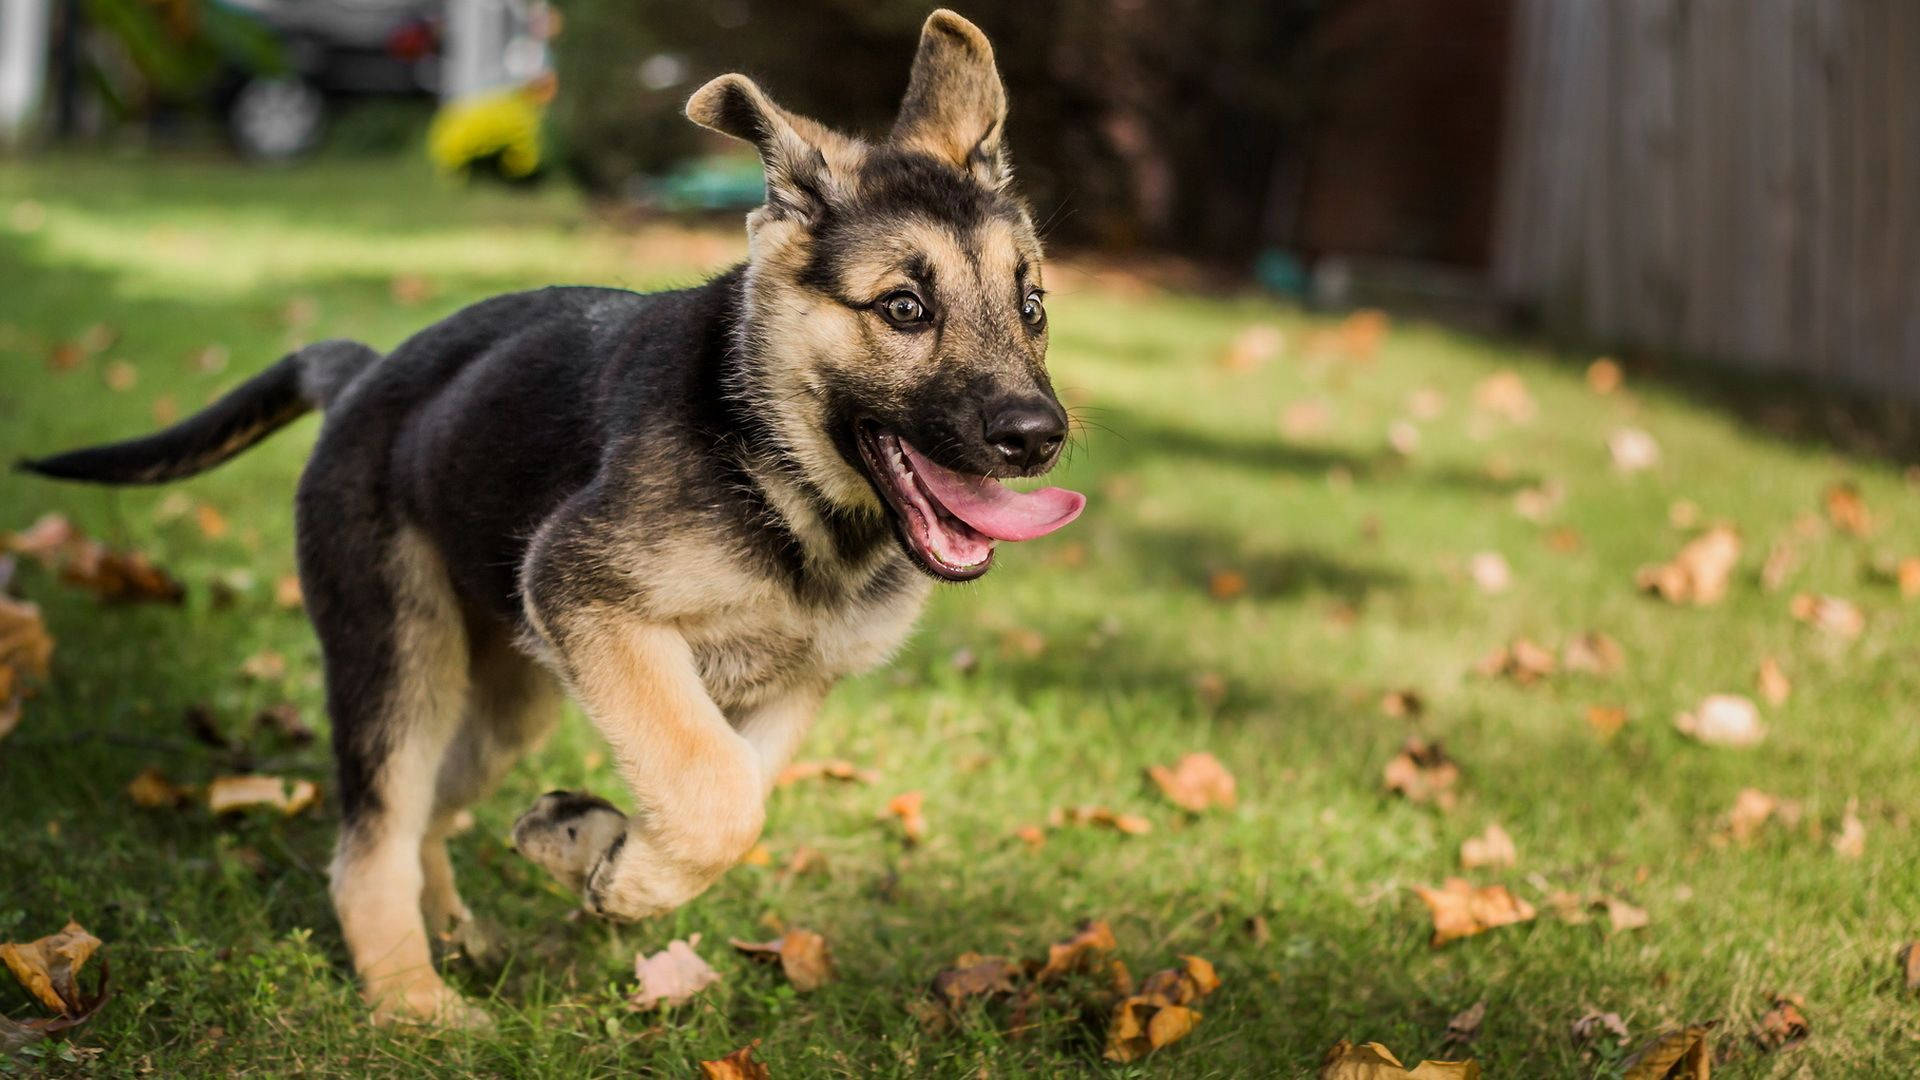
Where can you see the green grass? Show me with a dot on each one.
(225, 958)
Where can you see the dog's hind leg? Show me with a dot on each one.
(398, 690)
(513, 702)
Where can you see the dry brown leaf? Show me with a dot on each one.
(1592, 653)
(1197, 782)
(1427, 403)
(803, 955)
(1305, 419)
(1226, 584)
(1403, 438)
(1372, 1061)
(211, 522)
(1606, 720)
(1590, 1026)
(1032, 835)
(1093, 938)
(906, 809)
(671, 977)
(1752, 809)
(1536, 503)
(153, 790)
(1423, 773)
(264, 666)
(1022, 641)
(1461, 910)
(1604, 375)
(284, 720)
(1829, 614)
(1783, 1026)
(1633, 450)
(1523, 661)
(1907, 574)
(1847, 509)
(1852, 841)
(1783, 558)
(1493, 847)
(1105, 817)
(1159, 1014)
(54, 542)
(229, 793)
(1252, 347)
(738, 1065)
(1775, 687)
(1624, 916)
(1908, 959)
(26, 652)
(1673, 1055)
(1490, 572)
(1723, 720)
(286, 592)
(836, 769)
(1574, 909)
(1465, 1025)
(120, 376)
(1698, 575)
(973, 975)
(409, 290)
(49, 968)
(166, 409)
(1403, 703)
(1504, 395)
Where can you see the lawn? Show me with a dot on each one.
(1274, 544)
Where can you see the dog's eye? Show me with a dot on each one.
(1032, 310)
(903, 309)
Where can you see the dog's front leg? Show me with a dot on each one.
(698, 785)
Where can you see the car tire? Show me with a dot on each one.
(276, 119)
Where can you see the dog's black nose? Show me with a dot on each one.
(1026, 434)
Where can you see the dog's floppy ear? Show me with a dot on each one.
(808, 166)
(955, 108)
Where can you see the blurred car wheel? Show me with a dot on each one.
(277, 119)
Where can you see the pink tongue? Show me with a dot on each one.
(993, 508)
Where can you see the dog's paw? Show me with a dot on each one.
(567, 833)
(428, 1003)
(474, 941)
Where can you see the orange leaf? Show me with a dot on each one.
(1197, 782)
(738, 1065)
(1461, 910)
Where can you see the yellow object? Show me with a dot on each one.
(503, 127)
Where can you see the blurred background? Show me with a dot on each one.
(1726, 180)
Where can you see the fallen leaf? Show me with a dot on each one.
(1752, 809)
(1465, 1025)
(49, 968)
(1909, 961)
(1604, 376)
(1829, 614)
(1847, 509)
(212, 523)
(1522, 660)
(1775, 687)
(1606, 720)
(286, 592)
(1908, 575)
(1423, 773)
(1723, 720)
(229, 793)
(1159, 1014)
(1783, 1026)
(1592, 653)
(1226, 584)
(1426, 403)
(1564, 540)
(166, 409)
(803, 955)
(836, 769)
(1372, 1061)
(1590, 1026)
(1130, 824)
(1197, 782)
(1574, 909)
(1305, 419)
(264, 666)
(1852, 841)
(1032, 835)
(1252, 347)
(1403, 438)
(300, 312)
(738, 1065)
(1504, 394)
(411, 289)
(906, 808)
(1673, 1055)
(1783, 558)
(1698, 575)
(1493, 847)
(1403, 703)
(973, 975)
(1490, 572)
(1461, 910)
(153, 790)
(120, 376)
(671, 977)
(1683, 513)
(1624, 916)
(26, 654)
(1022, 641)
(1092, 939)
(1633, 450)
(1536, 503)
(284, 720)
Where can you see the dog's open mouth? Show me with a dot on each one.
(950, 520)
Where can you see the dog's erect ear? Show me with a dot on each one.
(808, 165)
(955, 108)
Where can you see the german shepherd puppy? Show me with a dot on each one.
(693, 511)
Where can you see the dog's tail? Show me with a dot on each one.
(300, 382)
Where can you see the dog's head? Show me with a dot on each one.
(895, 313)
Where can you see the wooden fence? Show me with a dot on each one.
(1732, 179)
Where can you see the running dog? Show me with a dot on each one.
(692, 511)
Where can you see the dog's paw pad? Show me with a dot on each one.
(566, 832)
